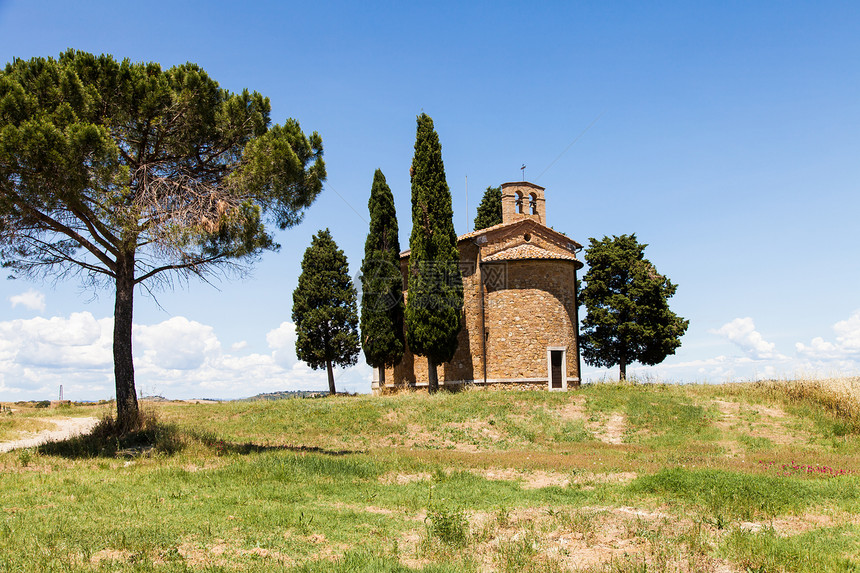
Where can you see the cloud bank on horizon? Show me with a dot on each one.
(176, 358)
(182, 358)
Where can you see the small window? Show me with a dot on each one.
(527, 237)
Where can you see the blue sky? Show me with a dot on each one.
(726, 135)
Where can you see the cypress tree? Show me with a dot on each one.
(324, 308)
(382, 282)
(628, 319)
(435, 299)
(490, 209)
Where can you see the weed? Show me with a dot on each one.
(718, 521)
(447, 525)
(25, 456)
(303, 524)
(503, 517)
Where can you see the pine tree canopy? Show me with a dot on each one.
(435, 296)
(382, 281)
(125, 173)
(628, 318)
(324, 307)
(490, 209)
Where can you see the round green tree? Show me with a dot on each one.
(627, 301)
(126, 174)
(324, 308)
(490, 209)
(382, 282)
(434, 301)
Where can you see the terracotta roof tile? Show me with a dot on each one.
(527, 252)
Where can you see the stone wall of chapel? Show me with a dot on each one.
(529, 306)
(503, 242)
(535, 310)
(467, 363)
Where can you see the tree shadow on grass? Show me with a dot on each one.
(108, 440)
(223, 447)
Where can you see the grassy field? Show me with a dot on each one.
(609, 478)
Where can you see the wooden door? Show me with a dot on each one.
(555, 359)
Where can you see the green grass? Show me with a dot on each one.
(474, 481)
(828, 549)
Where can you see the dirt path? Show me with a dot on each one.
(66, 428)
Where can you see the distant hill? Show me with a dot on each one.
(285, 395)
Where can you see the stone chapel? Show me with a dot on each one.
(520, 308)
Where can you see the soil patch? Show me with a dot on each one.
(575, 410)
(611, 429)
(539, 479)
(66, 428)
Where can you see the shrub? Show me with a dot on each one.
(449, 526)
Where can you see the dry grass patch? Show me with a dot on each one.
(400, 478)
(593, 457)
(537, 479)
(610, 429)
(573, 410)
(760, 422)
(585, 539)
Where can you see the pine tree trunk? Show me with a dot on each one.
(622, 367)
(432, 376)
(123, 364)
(381, 376)
(331, 389)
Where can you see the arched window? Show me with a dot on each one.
(519, 202)
(533, 204)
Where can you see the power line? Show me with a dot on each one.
(571, 145)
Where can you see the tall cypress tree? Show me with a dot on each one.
(324, 309)
(490, 209)
(382, 282)
(435, 299)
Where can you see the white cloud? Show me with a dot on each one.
(282, 341)
(176, 344)
(177, 358)
(79, 341)
(32, 299)
(848, 334)
(846, 349)
(742, 332)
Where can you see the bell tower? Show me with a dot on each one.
(523, 200)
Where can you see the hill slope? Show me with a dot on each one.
(738, 477)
